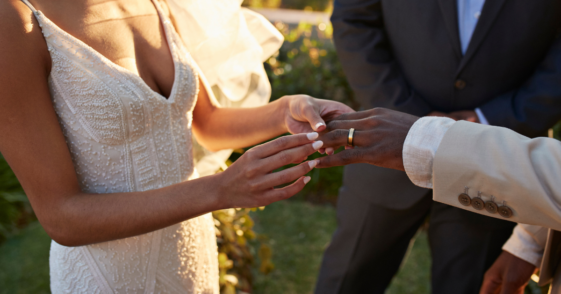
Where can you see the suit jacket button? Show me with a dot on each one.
(491, 207)
(464, 199)
(460, 84)
(478, 203)
(505, 211)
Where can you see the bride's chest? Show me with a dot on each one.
(110, 105)
(130, 34)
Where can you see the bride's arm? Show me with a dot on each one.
(32, 142)
(225, 128)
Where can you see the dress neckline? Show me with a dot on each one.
(164, 22)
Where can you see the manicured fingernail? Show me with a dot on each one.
(312, 163)
(317, 145)
(307, 179)
(329, 150)
(312, 136)
(319, 125)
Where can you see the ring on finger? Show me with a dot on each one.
(350, 139)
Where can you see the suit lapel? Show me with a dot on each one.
(449, 11)
(490, 11)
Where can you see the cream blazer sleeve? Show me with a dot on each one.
(521, 173)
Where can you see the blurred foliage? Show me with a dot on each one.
(307, 63)
(557, 131)
(24, 262)
(15, 210)
(314, 5)
(234, 228)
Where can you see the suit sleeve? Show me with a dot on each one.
(536, 105)
(506, 167)
(364, 52)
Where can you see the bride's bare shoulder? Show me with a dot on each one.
(20, 34)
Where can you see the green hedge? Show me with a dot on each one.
(15, 210)
(315, 5)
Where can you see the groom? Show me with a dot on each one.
(467, 59)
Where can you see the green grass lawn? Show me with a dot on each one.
(300, 231)
(297, 231)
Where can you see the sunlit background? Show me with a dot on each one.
(275, 250)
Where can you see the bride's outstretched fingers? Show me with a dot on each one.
(251, 182)
(285, 176)
(378, 138)
(275, 195)
(287, 156)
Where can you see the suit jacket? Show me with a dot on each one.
(520, 172)
(406, 55)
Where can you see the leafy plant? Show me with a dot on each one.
(15, 210)
(315, 5)
(557, 131)
(235, 256)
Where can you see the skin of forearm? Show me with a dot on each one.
(231, 128)
(84, 219)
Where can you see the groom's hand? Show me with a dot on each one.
(509, 274)
(378, 138)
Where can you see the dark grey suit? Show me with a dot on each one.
(406, 55)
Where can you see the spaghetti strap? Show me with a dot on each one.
(29, 5)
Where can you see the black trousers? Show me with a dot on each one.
(371, 241)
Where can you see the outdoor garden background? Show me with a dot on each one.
(273, 250)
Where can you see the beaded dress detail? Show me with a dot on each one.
(125, 137)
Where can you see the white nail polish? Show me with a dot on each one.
(319, 125)
(312, 136)
(307, 179)
(312, 163)
(317, 145)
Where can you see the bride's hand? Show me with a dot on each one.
(249, 182)
(307, 114)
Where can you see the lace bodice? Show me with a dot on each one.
(125, 137)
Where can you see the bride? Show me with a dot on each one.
(98, 100)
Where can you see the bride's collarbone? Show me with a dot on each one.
(127, 32)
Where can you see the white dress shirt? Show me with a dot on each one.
(527, 241)
(468, 15)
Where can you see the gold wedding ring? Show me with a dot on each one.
(350, 139)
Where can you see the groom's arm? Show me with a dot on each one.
(364, 51)
(509, 169)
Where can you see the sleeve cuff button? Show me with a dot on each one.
(505, 211)
(464, 199)
(491, 207)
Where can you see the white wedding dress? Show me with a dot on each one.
(125, 137)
